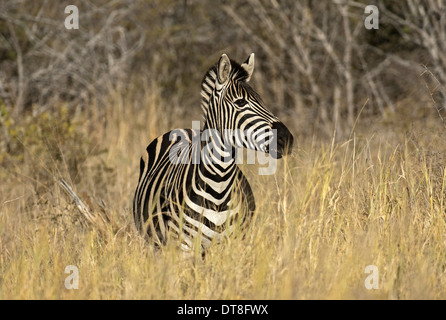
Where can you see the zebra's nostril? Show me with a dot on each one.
(283, 138)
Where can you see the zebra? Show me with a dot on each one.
(198, 202)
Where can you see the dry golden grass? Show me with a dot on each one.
(332, 209)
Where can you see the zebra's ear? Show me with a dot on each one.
(223, 69)
(248, 65)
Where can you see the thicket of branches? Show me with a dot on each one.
(317, 61)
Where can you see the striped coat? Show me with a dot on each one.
(190, 187)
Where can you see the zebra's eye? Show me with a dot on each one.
(240, 103)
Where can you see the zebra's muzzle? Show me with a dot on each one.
(282, 142)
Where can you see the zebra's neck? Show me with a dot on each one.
(217, 157)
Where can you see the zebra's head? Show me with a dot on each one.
(238, 113)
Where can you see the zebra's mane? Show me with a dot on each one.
(238, 73)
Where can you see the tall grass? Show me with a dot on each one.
(331, 209)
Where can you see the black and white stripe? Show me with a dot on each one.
(190, 186)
